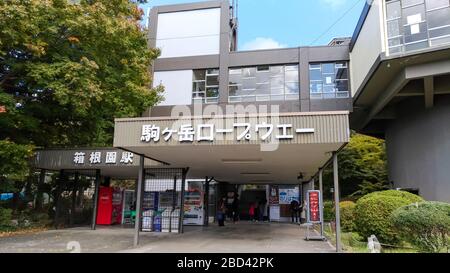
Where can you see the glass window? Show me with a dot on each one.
(264, 83)
(438, 18)
(393, 10)
(406, 3)
(435, 4)
(327, 68)
(212, 80)
(199, 75)
(249, 72)
(329, 80)
(417, 24)
(291, 76)
(205, 84)
(263, 68)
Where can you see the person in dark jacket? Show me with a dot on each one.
(294, 208)
(261, 209)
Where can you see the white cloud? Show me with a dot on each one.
(333, 3)
(262, 43)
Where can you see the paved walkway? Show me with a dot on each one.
(243, 237)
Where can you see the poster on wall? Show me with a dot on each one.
(273, 195)
(288, 195)
(193, 204)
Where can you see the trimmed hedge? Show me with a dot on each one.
(373, 211)
(412, 198)
(347, 215)
(425, 225)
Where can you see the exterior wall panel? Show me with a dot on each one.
(368, 47)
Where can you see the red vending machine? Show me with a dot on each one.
(109, 206)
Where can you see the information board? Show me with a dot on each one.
(314, 207)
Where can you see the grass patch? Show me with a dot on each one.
(354, 243)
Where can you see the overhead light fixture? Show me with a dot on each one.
(241, 161)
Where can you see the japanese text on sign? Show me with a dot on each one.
(314, 215)
(207, 132)
(93, 158)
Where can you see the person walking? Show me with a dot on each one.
(221, 212)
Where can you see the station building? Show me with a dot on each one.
(273, 119)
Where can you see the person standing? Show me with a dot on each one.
(294, 208)
(304, 209)
(221, 211)
(235, 208)
(261, 209)
(251, 211)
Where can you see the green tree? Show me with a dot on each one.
(362, 167)
(67, 69)
(71, 69)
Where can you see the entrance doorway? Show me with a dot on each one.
(255, 195)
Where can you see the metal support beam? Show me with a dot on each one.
(174, 201)
(58, 197)
(336, 201)
(140, 187)
(429, 91)
(183, 184)
(206, 202)
(97, 189)
(74, 198)
(321, 201)
(39, 189)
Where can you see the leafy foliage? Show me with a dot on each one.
(362, 167)
(372, 214)
(328, 211)
(14, 165)
(67, 70)
(5, 218)
(347, 212)
(424, 225)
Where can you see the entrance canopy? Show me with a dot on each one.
(252, 149)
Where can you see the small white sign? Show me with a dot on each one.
(414, 19)
(415, 29)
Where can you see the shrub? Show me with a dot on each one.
(425, 225)
(5, 218)
(328, 211)
(372, 214)
(412, 198)
(347, 209)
